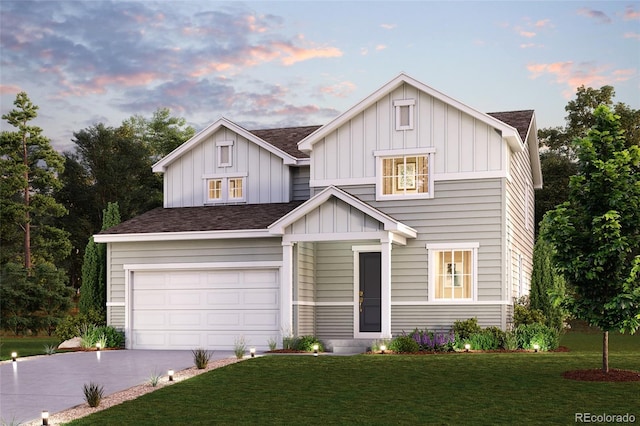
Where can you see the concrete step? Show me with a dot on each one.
(347, 346)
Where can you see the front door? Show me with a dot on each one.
(370, 292)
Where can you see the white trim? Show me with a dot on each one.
(219, 146)
(397, 105)
(357, 334)
(314, 183)
(161, 166)
(224, 189)
(181, 236)
(509, 133)
(342, 236)
(453, 302)
(435, 247)
(404, 152)
(286, 286)
(369, 248)
(115, 304)
(201, 266)
(224, 175)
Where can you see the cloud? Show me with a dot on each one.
(381, 46)
(530, 45)
(388, 26)
(339, 90)
(573, 74)
(598, 15)
(631, 14)
(527, 34)
(289, 54)
(632, 35)
(543, 23)
(9, 89)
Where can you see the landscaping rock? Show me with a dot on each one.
(70, 344)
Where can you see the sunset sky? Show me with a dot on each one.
(272, 64)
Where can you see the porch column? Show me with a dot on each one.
(385, 258)
(286, 288)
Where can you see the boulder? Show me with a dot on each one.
(70, 344)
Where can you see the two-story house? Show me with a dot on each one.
(411, 209)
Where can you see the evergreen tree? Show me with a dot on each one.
(546, 285)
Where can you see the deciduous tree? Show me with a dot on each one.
(596, 233)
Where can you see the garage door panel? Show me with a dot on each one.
(211, 309)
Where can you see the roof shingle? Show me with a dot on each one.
(286, 139)
(520, 120)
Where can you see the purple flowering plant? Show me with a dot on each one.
(434, 341)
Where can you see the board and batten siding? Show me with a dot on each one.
(463, 144)
(162, 253)
(268, 180)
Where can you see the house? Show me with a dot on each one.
(411, 209)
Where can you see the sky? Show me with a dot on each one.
(271, 64)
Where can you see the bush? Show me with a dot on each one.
(404, 344)
(431, 341)
(113, 338)
(529, 334)
(93, 394)
(201, 358)
(464, 329)
(305, 343)
(68, 328)
(491, 338)
(510, 341)
(524, 314)
(239, 347)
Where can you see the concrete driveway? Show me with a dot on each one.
(54, 383)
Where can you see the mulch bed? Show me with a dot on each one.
(597, 375)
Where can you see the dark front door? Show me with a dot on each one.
(370, 292)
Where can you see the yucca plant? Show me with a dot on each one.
(240, 347)
(154, 378)
(49, 349)
(201, 358)
(93, 394)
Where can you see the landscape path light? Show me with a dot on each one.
(45, 417)
(383, 348)
(14, 355)
(467, 346)
(170, 373)
(315, 349)
(252, 351)
(536, 347)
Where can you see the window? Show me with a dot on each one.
(224, 153)
(452, 272)
(403, 176)
(225, 189)
(404, 114)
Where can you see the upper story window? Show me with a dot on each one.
(225, 153)
(404, 113)
(404, 176)
(225, 189)
(453, 272)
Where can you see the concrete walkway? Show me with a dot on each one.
(55, 383)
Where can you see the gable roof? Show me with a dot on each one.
(287, 138)
(162, 165)
(165, 221)
(390, 224)
(521, 120)
(511, 135)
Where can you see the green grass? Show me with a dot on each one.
(25, 346)
(492, 388)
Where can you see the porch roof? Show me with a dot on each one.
(335, 211)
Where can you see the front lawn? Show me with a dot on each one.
(475, 388)
(25, 346)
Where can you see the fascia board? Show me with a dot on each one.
(182, 236)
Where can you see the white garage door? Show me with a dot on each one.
(209, 309)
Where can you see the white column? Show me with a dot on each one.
(385, 301)
(286, 289)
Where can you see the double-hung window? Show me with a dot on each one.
(225, 189)
(452, 272)
(404, 174)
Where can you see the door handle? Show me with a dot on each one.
(361, 299)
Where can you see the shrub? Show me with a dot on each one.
(404, 344)
(93, 394)
(49, 349)
(273, 344)
(305, 343)
(491, 338)
(529, 334)
(239, 347)
(113, 338)
(68, 328)
(88, 335)
(154, 378)
(510, 341)
(376, 344)
(431, 341)
(524, 314)
(464, 329)
(201, 358)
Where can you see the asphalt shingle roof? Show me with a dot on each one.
(207, 218)
(520, 120)
(287, 138)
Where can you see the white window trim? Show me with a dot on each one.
(225, 188)
(435, 247)
(402, 103)
(219, 146)
(395, 153)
